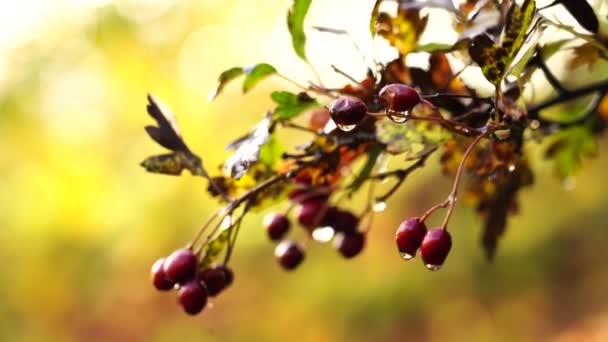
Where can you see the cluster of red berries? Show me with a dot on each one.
(314, 214)
(398, 100)
(180, 271)
(434, 244)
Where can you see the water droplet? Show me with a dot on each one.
(379, 206)
(397, 117)
(534, 124)
(511, 167)
(432, 267)
(323, 234)
(406, 256)
(347, 128)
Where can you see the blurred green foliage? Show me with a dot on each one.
(82, 222)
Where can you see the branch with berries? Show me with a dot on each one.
(398, 112)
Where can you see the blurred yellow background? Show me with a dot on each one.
(82, 222)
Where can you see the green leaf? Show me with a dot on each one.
(295, 23)
(372, 156)
(214, 248)
(272, 151)
(223, 79)
(256, 74)
(174, 163)
(374, 17)
(402, 31)
(434, 47)
(517, 23)
(410, 138)
(290, 105)
(568, 147)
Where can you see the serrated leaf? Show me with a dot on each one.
(372, 156)
(167, 134)
(402, 31)
(374, 17)
(495, 59)
(247, 149)
(174, 163)
(214, 248)
(583, 13)
(224, 78)
(290, 105)
(517, 23)
(256, 74)
(568, 148)
(295, 23)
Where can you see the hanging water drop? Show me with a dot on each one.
(432, 267)
(406, 256)
(397, 117)
(347, 128)
(511, 167)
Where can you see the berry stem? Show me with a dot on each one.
(451, 200)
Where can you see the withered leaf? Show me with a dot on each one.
(174, 163)
(402, 31)
(247, 149)
(167, 134)
(583, 13)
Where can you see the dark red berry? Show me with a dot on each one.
(215, 279)
(277, 225)
(309, 211)
(192, 297)
(435, 248)
(349, 245)
(159, 278)
(347, 111)
(399, 97)
(341, 220)
(180, 266)
(409, 237)
(228, 274)
(289, 254)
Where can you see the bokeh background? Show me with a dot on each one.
(82, 222)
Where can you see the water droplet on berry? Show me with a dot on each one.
(379, 206)
(511, 167)
(406, 256)
(397, 117)
(323, 234)
(432, 267)
(347, 128)
(534, 124)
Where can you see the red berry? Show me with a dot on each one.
(228, 274)
(347, 112)
(435, 248)
(215, 279)
(180, 266)
(399, 97)
(192, 297)
(289, 254)
(340, 220)
(409, 237)
(349, 245)
(309, 211)
(159, 278)
(277, 225)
